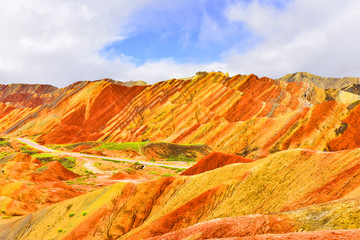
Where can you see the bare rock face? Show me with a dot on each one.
(321, 82)
(213, 161)
(26, 95)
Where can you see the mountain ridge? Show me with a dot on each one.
(321, 82)
(210, 108)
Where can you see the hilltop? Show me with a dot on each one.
(321, 82)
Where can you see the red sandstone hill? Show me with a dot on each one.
(215, 160)
(130, 174)
(26, 185)
(52, 171)
(242, 114)
(292, 194)
(300, 186)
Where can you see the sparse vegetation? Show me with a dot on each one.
(180, 158)
(84, 213)
(122, 146)
(71, 214)
(97, 164)
(68, 162)
(166, 175)
(173, 168)
(4, 143)
(28, 149)
(88, 172)
(72, 146)
(41, 169)
(80, 181)
(175, 152)
(341, 129)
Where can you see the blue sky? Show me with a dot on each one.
(63, 41)
(186, 31)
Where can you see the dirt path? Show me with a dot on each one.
(89, 165)
(72, 154)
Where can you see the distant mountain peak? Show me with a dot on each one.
(321, 82)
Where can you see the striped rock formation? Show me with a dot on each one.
(243, 115)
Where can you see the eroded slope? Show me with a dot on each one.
(286, 180)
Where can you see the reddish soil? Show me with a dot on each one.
(320, 113)
(26, 95)
(111, 222)
(5, 109)
(20, 166)
(319, 235)
(130, 175)
(232, 227)
(188, 214)
(350, 138)
(85, 122)
(52, 171)
(33, 186)
(337, 188)
(215, 160)
(244, 109)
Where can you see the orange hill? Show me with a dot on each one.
(215, 160)
(299, 187)
(245, 115)
(27, 185)
(321, 190)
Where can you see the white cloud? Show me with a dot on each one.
(58, 42)
(165, 69)
(319, 36)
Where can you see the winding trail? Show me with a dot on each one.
(72, 154)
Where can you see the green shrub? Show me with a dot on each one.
(122, 146)
(41, 169)
(167, 175)
(68, 162)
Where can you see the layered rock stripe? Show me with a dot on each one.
(305, 190)
(243, 115)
